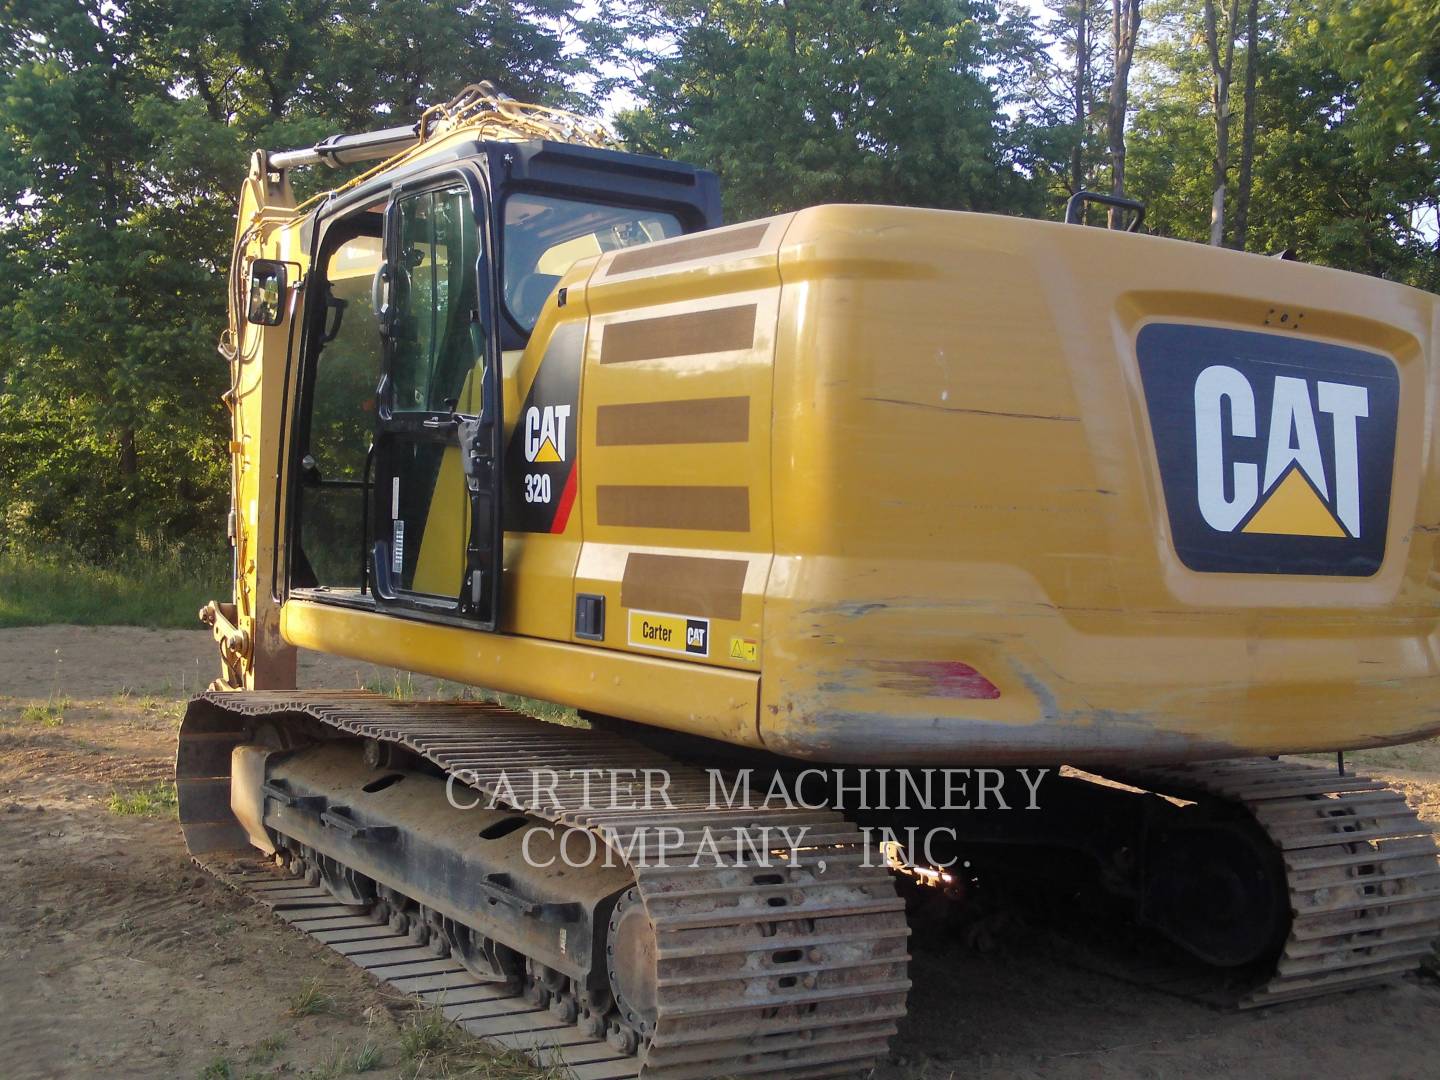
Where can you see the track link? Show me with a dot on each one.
(483, 1009)
(1364, 884)
(795, 967)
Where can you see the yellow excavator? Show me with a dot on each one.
(851, 522)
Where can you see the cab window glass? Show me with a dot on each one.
(545, 236)
(342, 420)
(437, 337)
(341, 381)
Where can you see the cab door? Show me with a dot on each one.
(436, 538)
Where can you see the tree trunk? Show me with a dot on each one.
(129, 458)
(1125, 28)
(1247, 133)
(1217, 208)
(1080, 96)
(1221, 65)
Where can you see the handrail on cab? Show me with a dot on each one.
(1075, 207)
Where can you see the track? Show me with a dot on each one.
(482, 1009)
(794, 968)
(1364, 884)
(795, 971)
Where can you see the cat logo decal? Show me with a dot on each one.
(1275, 451)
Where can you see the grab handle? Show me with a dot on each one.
(1075, 207)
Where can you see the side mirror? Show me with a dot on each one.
(267, 292)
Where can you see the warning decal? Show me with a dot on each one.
(746, 649)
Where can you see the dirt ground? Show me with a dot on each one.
(119, 959)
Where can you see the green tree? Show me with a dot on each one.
(1344, 124)
(796, 102)
(1389, 52)
(125, 127)
(1065, 80)
(1171, 140)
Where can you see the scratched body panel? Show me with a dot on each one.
(973, 560)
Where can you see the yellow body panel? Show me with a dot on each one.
(675, 446)
(984, 491)
(702, 701)
(878, 484)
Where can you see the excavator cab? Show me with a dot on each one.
(427, 283)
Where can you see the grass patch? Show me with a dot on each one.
(218, 1069)
(51, 713)
(540, 710)
(364, 1057)
(400, 686)
(158, 588)
(431, 1046)
(311, 1000)
(346, 1061)
(526, 706)
(266, 1050)
(155, 800)
(162, 708)
(428, 1033)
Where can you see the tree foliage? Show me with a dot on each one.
(807, 101)
(1345, 105)
(124, 131)
(1065, 80)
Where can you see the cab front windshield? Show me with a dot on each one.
(545, 236)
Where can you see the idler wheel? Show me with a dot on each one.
(630, 951)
